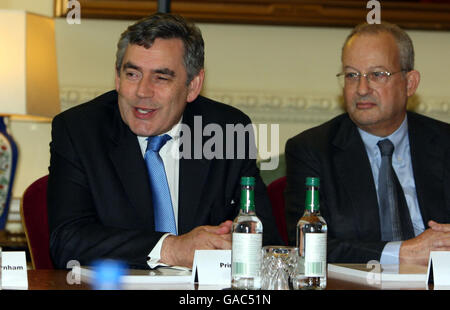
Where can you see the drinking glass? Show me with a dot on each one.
(278, 266)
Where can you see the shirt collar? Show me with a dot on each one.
(174, 132)
(399, 138)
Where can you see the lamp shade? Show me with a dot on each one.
(28, 71)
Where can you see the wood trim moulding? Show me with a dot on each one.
(276, 106)
(413, 14)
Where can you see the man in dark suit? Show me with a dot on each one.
(100, 202)
(378, 77)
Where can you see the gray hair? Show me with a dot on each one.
(404, 42)
(165, 26)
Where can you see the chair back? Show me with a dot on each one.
(33, 212)
(275, 191)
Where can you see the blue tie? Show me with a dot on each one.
(389, 217)
(162, 202)
(395, 219)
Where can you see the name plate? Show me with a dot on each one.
(212, 267)
(439, 269)
(14, 271)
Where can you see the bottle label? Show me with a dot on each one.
(315, 254)
(246, 255)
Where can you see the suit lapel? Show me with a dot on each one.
(192, 177)
(427, 157)
(127, 159)
(355, 176)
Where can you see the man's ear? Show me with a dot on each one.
(195, 86)
(412, 82)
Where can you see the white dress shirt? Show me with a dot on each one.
(402, 165)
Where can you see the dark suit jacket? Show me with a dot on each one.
(335, 152)
(99, 198)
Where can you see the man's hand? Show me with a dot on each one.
(439, 227)
(179, 250)
(443, 244)
(416, 251)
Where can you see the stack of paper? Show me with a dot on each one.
(381, 276)
(161, 278)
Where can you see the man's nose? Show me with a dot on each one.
(363, 85)
(145, 89)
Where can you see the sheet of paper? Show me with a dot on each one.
(382, 276)
(161, 278)
(212, 267)
(14, 271)
(439, 269)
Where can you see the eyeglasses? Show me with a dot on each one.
(374, 78)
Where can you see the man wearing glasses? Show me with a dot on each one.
(385, 172)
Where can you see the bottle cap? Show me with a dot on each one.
(248, 181)
(312, 181)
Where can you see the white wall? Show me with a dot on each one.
(42, 7)
(277, 74)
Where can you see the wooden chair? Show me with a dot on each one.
(275, 191)
(33, 210)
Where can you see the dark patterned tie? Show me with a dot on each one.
(162, 202)
(394, 214)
